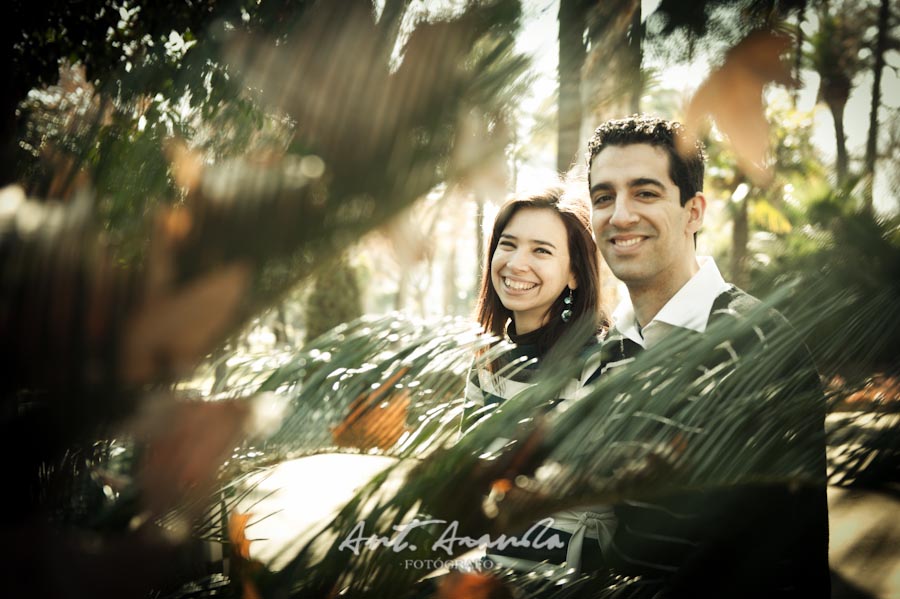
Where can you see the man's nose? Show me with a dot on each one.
(623, 214)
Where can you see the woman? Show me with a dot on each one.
(540, 279)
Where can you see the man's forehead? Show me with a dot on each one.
(631, 161)
(642, 148)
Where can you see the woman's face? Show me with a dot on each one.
(531, 267)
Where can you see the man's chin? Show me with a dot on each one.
(629, 274)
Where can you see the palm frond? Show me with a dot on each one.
(658, 425)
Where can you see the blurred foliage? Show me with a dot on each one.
(679, 31)
(852, 254)
(149, 48)
(522, 461)
(759, 214)
(131, 83)
(335, 298)
(178, 226)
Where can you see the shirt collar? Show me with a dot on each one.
(689, 308)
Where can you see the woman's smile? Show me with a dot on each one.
(515, 285)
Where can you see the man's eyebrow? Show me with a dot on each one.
(534, 241)
(604, 186)
(645, 181)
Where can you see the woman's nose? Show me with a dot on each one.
(517, 261)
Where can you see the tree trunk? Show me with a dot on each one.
(9, 138)
(280, 327)
(842, 162)
(872, 142)
(571, 59)
(479, 242)
(335, 298)
(636, 59)
(450, 293)
(739, 239)
(514, 167)
(402, 289)
(798, 56)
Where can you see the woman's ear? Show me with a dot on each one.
(573, 282)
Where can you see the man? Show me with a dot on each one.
(752, 540)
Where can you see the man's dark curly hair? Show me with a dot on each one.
(686, 170)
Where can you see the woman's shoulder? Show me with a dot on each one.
(595, 340)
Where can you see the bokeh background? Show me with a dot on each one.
(194, 192)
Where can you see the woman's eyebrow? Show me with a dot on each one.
(534, 241)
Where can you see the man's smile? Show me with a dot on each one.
(627, 242)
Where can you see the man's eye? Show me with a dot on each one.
(647, 194)
(602, 200)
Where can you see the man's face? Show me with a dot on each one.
(644, 233)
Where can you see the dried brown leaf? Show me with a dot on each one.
(733, 96)
(186, 444)
(174, 329)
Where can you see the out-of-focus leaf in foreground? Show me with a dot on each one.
(733, 96)
(655, 426)
(86, 332)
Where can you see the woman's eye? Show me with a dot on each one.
(506, 245)
(543, 251)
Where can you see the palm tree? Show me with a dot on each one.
(834, 54)
(761, 210)
(613, 79)
(572, 23)
(883, 41)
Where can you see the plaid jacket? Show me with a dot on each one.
(751, 540)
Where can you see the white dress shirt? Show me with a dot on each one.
(689, 308)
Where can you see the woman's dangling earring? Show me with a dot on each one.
(569, 300)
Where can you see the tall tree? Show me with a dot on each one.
(881, 48)
(835, 55)
(335, 298)
(572, 23)
(612, 78)
(798, 52)
(600, 57)
(636, 57)
(762, 213)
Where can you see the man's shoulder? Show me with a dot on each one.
(750, 321)
(734, 301)
(737, 304)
